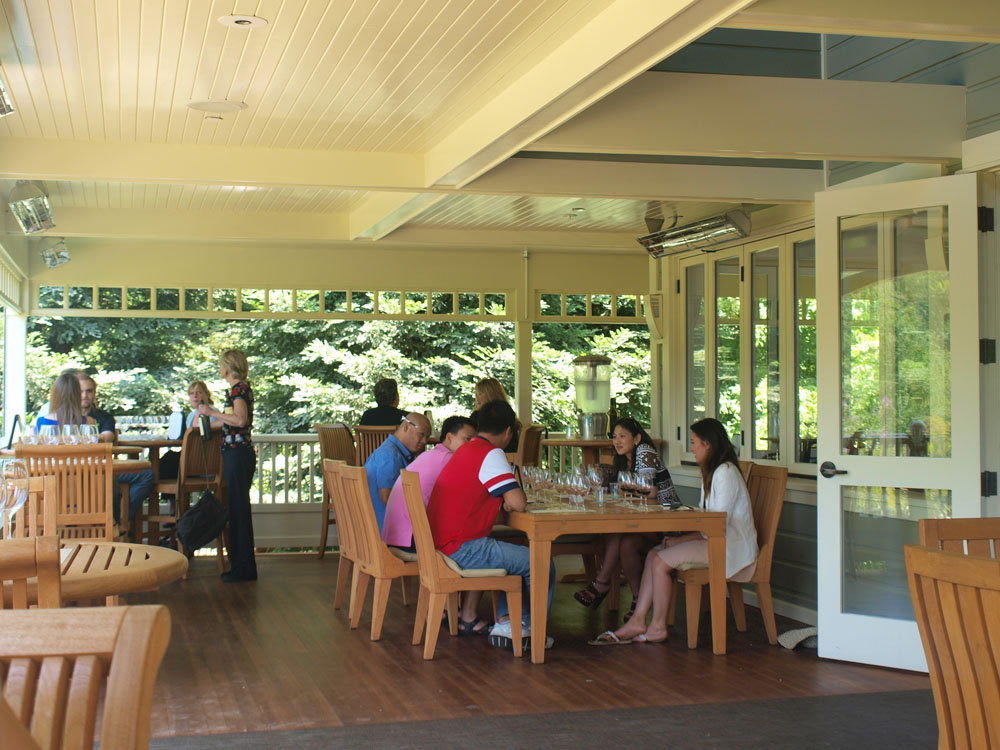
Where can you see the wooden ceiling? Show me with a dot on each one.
(386, 116)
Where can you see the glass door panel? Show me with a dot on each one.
(805, 351)
(766, 356)
(695, 363)
(727, 346)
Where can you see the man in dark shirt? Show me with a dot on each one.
(387, 412)
(140, 482)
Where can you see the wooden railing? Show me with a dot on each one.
(289, 469)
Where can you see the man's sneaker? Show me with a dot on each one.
(501, 637)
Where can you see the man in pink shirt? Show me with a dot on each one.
(397, 531)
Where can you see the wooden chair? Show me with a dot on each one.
(373, 558)
(37, 516)
(56, 664)
(970, 536)
(345, 535)
(441, 579)
(745, 468)
(767, 496)
(200, 469)
(956, 599)
(336, 443)
(529, 446)
(32, 558)
(84, 487)
(367, 439)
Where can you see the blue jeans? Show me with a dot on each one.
(488, 552)
(140, 483)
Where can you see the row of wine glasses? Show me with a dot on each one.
(13, 491)
(140, 427)
(636, 484)
(576, 484)
(68, 434)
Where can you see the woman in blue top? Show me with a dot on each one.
(65, 405)
(238, 461)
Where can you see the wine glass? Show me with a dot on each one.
(29, 436)
(71, 434)
(88, 433)
(643, 485)
(13, 491)
(48, 434)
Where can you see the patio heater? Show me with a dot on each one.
(592, 379)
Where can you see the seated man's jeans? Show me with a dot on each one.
(514, 558)
(140, 484)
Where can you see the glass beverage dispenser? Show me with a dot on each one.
(592, 378)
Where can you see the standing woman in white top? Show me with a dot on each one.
(722, 489)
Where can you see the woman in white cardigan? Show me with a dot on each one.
(722, 489)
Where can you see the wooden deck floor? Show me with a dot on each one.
(275, 655)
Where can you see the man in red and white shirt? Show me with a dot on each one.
(467, 498)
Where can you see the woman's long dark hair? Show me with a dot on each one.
(633, 428)
(721, 450)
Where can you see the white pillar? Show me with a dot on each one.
(15, 392)
(522, 370)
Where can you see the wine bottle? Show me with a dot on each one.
(612, 418)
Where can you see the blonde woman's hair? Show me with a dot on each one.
(204, 389)
(236, 362)
(489, 389)
(64, 399)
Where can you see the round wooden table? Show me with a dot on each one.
(95, 569)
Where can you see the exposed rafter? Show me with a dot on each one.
(746, 116)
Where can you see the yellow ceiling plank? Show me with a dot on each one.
(41, 159)
(625, 39)
(596, 241)
(666, 182)
(965, 21)
(693, 114)
(147, 223)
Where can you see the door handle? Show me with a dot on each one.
(829, 469)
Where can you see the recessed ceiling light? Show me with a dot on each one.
(243, 22)
(213, 118)
(217, 105)
(579, 210)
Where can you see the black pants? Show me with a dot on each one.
(238, 465)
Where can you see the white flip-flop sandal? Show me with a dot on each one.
(608, 638)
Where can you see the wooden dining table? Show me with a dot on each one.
(98, 569)
(544, 522)
(153, 446)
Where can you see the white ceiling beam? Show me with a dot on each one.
(382, 213)
(617, 44)
(965, 21)
(642, 181)
(163, 224)
(153, 163)
(694, 114)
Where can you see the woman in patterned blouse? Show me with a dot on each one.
(238, 461)
(634, 451)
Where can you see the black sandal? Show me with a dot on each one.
(469, 628)
(590, 596)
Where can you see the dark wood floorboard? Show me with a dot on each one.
(275, 655)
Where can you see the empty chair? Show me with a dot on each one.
(367, 439)
(84, 500)
(200, 469)
(529, 446)
(57, 662)
(956, 600)
(441, 579)
(970, 536)
(37, 516)
(767, 496)
(29, 571)
(336, 443)
(373, 558)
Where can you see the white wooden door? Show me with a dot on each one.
(898, 399)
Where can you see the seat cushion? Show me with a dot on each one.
(403, 555)
(471, 572)
(692, 566)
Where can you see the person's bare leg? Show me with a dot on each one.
(470, 606)
(609, 567)
(662, 586)
(631, 560)
(643, 603)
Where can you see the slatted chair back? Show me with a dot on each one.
(336, 442)
(529, 446)
(34, 561)
(334, 495)
(956, 599)
(745, 468)
(766, 488)
(84, 499)
(37, 517)
(970, 536)
(367, 439)
(433, 568)
(366, 540)
(55, 663)
(199, 469)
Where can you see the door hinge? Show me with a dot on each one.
(987, 351)
(742, 441)
(678, 286)
(678, 433)
(741, 273)
(988, 482)
(985, 216)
